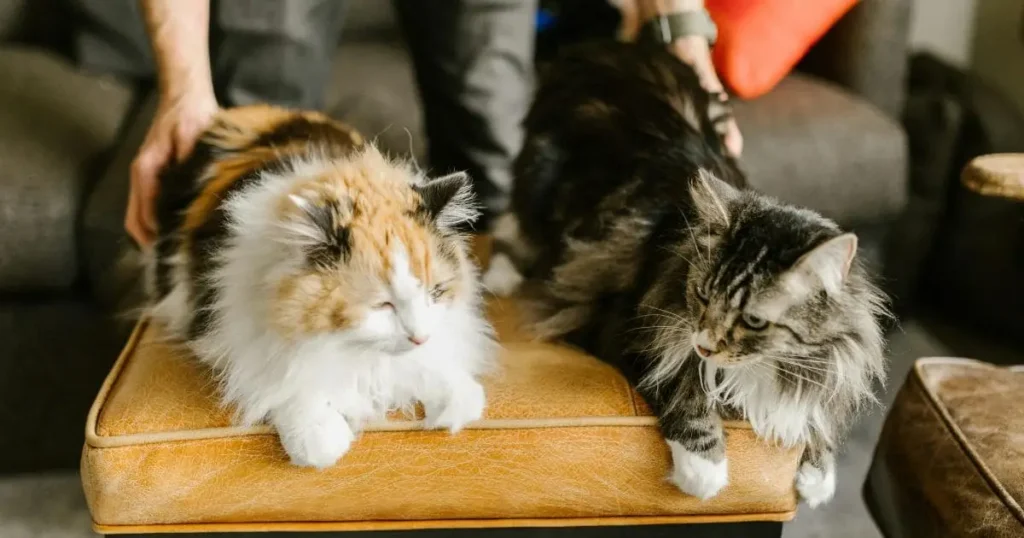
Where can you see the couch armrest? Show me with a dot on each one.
(866, 52)
(1000, 175)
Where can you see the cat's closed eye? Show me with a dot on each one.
(385, 305)
(753, 322)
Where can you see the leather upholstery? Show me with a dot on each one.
(997, 174)
(950, 461)
(564, 441)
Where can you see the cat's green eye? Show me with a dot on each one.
(438, 291)
(754, 322)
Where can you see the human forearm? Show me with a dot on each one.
(179, 35)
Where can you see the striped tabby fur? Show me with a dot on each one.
(635, 236)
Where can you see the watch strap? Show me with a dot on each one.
(671, 26)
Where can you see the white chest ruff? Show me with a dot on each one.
(787, 419)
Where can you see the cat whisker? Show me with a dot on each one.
(693, 236)
(800, 378)
(800, 365)
(670, 316)
(804, 359)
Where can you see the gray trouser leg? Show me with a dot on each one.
(110, 37)
(474, 68)
(274, 51)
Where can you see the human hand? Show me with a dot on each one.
(695, 51)
(179, 120)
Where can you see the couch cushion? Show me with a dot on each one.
(564, 441)
(811, 143)
(54, 124)
(950, 460)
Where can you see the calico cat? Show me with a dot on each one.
(325, 283)
(633, 235)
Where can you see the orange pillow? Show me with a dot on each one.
(760, 41)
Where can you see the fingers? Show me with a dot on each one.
(140, 219)
(177, 125)
(694, 51)
(733, 139)
(132, 223)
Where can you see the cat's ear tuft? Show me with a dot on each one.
(301, 202)
(321, 227)
(449, 200)
(712, 197)
(828, 264)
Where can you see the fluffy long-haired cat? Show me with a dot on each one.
(325, 283)
(638, 240)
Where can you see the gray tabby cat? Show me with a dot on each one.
(715, 301)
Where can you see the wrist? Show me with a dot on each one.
(672, 22)
(649, 9)
(193, 83)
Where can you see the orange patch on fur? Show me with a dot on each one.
(234, 130)
(237, 128)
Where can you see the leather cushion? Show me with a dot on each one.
(564, 441)
(950, 460)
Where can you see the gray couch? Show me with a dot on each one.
(827, 137)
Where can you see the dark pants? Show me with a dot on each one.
(473, 61)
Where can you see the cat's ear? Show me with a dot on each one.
(827, 264)
(448, 200)
(320, 225)
(712, 198)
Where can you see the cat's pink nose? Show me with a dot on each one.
(418, 340)
(703, 351)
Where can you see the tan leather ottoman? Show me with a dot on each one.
(950, 461)
(565, 442)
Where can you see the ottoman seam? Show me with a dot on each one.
(285, 526)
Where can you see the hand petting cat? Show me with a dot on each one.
(694, 50)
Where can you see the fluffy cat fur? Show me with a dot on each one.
(633, 235)
(324, 283)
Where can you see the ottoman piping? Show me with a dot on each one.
(94, 439)
(958, 434)
(343, 526)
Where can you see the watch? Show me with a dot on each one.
(671, 26)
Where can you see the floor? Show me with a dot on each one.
(52, 506)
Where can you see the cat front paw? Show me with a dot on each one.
(502, 279)
(697, 475)
(463, 405)
(316, 440)
(816, 486)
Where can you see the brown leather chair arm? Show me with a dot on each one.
(1000, 175)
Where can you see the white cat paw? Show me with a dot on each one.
(465, 404)
(696, 475)
(502, 278)
(816, 486)
(317, 442)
